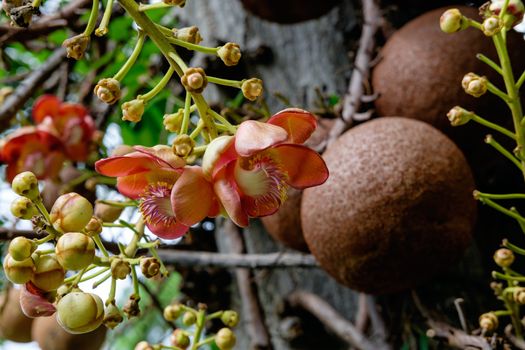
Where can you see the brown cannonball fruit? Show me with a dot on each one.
(50, 336)
(396, 209)
(14, 325)
(289, 11)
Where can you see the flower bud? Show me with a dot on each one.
(18, 272)
(22, 15)
(491, 26)
(120, 269)
(79, 312)
(106, 212)
(252, 88)
(71, 213)
(474, 85)
(519, 295)
(194, 80)
(180, 339)
(230, 318)
(76, 46)
(5, 92)
(150, 267)
(172, 312)
(143, 345)
(49, 274)
(21, 248)
(133, 110)
(488, 322)
(230, 54)
(132, 308)
(94, 226)
(452, 21)
(188, 34)
(459, 116)
(503, 257)
(172, 122)
(189, 318)
(513, 15)
(180, 3)
(108, 90)
(26, 184)
(225, 339)
(183, 146)
(75, 251)
(23, 208)
(112, 317)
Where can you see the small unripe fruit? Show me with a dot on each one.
(230, 318)
(106, 212)
(26, 184)
(189, 318)
(172, 312)
(49, 274)
(18, 272)
(504, 257)
(180, 339)
(21, 248)
(80, 312)
(75, 251)
(71, 213)
(225, 339)
(120, 269)
(23, 208)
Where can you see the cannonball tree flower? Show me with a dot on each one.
(148, 174)
(72, 123)
(34, 149)
(249, 173)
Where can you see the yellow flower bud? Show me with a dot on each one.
(80, 312)
(26, 184)
(76, 46)
(474, 85)
(503, 257)
(75, 251)
(491, 26)
(23, 208)
(183, 146)
(143, 345)
(488, 322)
(149, 267)
(18, 272)
(112, 317)
(172, 312)
(189, 318)
(459, 116)
(194, 80)
(180, 339)
(230, 318)
(225, 339)
(120, 269)
(21, 248)
(230, 54)
(188, 34)
(133, 110)
(180, 3)
(71, 213)
(108, 90)
(519, 295)
(49, 274)
(94, 226)
(172, 122)
(452, 21)
(252, 88)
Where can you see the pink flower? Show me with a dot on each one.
(148, 174)
(70, 121)
(34, 303)
(248, 174)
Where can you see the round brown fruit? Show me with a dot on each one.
(289, 11)
(14, 325)
(50, 336)
(396, 209)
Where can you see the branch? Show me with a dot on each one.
(343, 328)
(25, 90)
(360, 73)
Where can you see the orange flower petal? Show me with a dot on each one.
(163, 155)
(133, 185)
(172, 231)
(304, 166)
(229, 197)
(46, 105)
(129, 164)
(256, 209)
(298, 123)
(192, 197)
(253, 136)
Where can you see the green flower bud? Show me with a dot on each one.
(49, 274)
(21, 248)
(503, 257)
(230, 318)
(112, 317)
(474, 85)
(230, 54)
(488, 322)
(188, 34)
(452, 21)
(18, 272)
(120, 269)
(172, 312)
(106, 212)
(189, 318)
(491, 26)
(225, 339)
(459, 116)
(80, 312)
(26, 184)
(71, 213)
(180, 339)
(133, 110)
(172, 122)
(23, 208)
(108, 90)
(75, 251)
(149, 267)
(252, 88)
(94, 226)
(194, 80)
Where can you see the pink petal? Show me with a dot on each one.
(298, 123)
(33, 303)
(192, 197)
(304, 166)
(163, 155)
(229, 196)
(253, 136)
(132, 186)
(220, 152)
(256, 209)
(45, 106)
(172, 231)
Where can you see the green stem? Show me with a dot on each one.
(473, 23)
(42, 209)
(47, 238)
(112, 291)
(100, 245)
(500, 196)
(159, 87)
(206, 341)
(92, 22)
(203, 107)
(501, 276)
(199, 326)
(131, 249)
(493, 89)
(194, 47)
(490, 140)
(155, 6)
(225, 82)
(197, 130)
(118, 204)
(224, 121)
(500, 313)
(501, 209)
(135, 280)
(132, 58)
(521, 80)
(489, 62)
(103, 26)
(494, 126)
(513, 247)
(186, 117)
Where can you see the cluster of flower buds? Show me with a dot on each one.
(513, 13)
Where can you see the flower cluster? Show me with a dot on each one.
(62, 131)
(242, 176)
